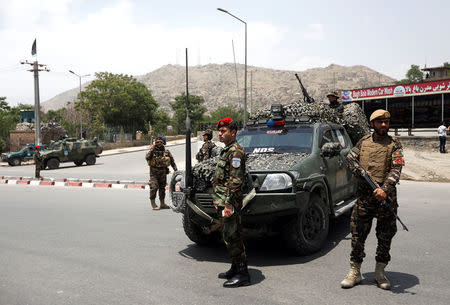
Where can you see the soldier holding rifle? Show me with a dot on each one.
(382, 156)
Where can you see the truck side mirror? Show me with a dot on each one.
(331, 149)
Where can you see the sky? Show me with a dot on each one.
(136, 37)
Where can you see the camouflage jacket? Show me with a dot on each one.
(206, 151)
(160, 158)
(229, 176)
(37, 157)
(384, 160)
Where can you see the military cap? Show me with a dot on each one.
(333, 93)
(380, 114)
(208, 132)
(224, 122)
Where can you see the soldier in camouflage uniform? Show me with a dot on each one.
(159, 159)
(382, 156)
(227, 198)
(37, 162)
(333, 99)
(206, 151)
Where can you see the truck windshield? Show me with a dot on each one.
(276, 140)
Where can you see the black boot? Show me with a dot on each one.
(230, 273)
(241, 278)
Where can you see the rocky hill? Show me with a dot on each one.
(217, 84)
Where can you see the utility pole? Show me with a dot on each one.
(235, 72)
(37, 107)
(251, 92)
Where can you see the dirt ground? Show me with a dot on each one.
(426, 165)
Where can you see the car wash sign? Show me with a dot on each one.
(442, 86)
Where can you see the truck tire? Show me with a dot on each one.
(307, 231)
(15, 162)
(90, 159)
(193, 231)
(53, 163)
(78, 163)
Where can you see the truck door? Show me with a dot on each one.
(330, 166)
(345, 182)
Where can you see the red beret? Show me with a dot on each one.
(224, 122)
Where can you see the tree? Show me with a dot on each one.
(225, 111)
(414, 74)
(196, 111)
(447, 64)
(9, 117)
(119, 100)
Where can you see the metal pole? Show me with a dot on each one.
(442, 112)
(81, 116)
(245, 81)
(235, 72)
(188, 131)
(412, 113)
(37, 107)
(386, 104)
(251, 92)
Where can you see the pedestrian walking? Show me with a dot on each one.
(382, 156)
(442, 132)
(227, 198)
(159, 159)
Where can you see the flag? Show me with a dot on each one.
(33, 48)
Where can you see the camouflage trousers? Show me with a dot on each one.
(365, 209)
(37, 171)
(232, 236)
(158, 181)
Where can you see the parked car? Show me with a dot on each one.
(25, 154)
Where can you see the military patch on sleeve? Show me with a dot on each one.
(397, 157)
(236, 162)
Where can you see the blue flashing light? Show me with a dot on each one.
(270, 123)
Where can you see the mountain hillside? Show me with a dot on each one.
(217, 84)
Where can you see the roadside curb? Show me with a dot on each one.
(77, 183)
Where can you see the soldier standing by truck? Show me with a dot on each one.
(227, 198)
(159, 159)
(382, 156)
(37, 162)
(206, 151)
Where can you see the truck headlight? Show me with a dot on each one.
(274, 182)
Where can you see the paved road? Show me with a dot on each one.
(128, 166)
(95, 246)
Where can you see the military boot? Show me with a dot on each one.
(154, 206)
(162, 205)
(353, 277)
(230, 273)
(380, 276)
(241, 278)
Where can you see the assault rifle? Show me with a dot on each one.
(387, 203)
(306, 96)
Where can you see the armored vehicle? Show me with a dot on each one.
(25, 154)
(296, 181)
(71, 150)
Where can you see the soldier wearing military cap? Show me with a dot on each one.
(37, 162)
(333, 99)
(159, 159)
(206, 151)
(382, 156)
(227, 198)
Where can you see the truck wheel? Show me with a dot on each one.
(194, 232)
(306, 232)
(90, 159)
(78, 163)
(15, 162)
(53, 163)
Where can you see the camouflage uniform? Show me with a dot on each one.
(38, 163)
(229, 177)
(159, 160)
(384, 160)
(206, 151)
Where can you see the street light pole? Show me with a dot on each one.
(245, 73)
(79, 77)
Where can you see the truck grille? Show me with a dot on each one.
(204, 200)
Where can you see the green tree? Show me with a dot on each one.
(414, 74)
(9, 117)
(447, 64)
(225, 111)
(118, 100)
(196, 112)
